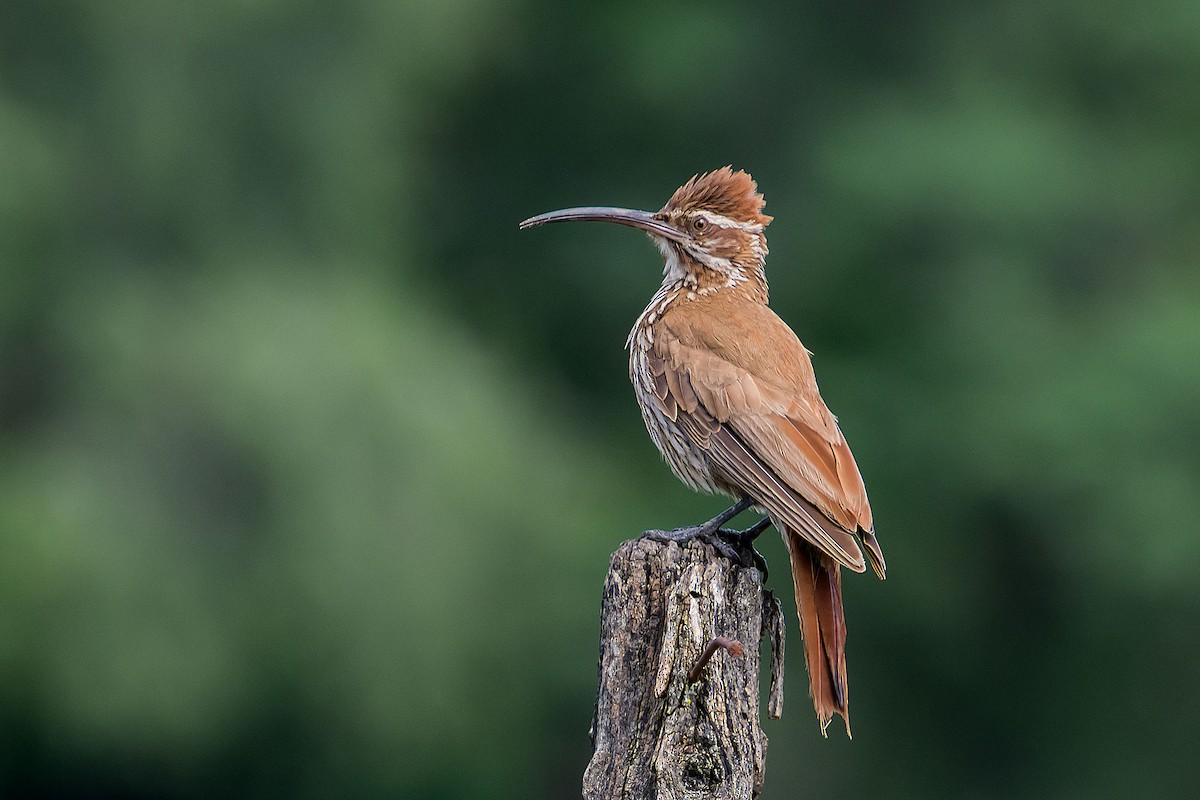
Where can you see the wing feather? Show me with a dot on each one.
(780, 500)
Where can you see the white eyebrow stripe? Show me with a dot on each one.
(725, 222)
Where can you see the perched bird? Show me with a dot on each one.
(728, 395)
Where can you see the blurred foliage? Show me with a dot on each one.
(310, 463)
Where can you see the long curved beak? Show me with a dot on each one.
(643, 220)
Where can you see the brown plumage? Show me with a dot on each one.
(728, 395)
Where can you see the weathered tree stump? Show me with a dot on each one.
(658, 736)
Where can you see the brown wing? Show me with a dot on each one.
(763, 423)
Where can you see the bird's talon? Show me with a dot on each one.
(737, 546)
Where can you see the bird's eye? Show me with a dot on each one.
(700, 224)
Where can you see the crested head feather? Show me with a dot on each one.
(722, 191)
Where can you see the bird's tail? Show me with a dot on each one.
(818, 582)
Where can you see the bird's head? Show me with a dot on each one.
(710, 232)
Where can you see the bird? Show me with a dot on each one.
(729, 397)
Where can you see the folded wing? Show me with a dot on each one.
(779, 444)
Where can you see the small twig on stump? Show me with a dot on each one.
(733, 648)
(660, 732)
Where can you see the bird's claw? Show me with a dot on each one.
(737, 546)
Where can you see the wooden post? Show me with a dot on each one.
(656, 735)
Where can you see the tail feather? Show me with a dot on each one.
(818, 583)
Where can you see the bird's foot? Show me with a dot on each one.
(743, 542)
(746, 537)
(737, 546)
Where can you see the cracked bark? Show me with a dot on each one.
(657, 736)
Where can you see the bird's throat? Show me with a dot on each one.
(704, 273)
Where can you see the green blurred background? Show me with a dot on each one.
(310, 463)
